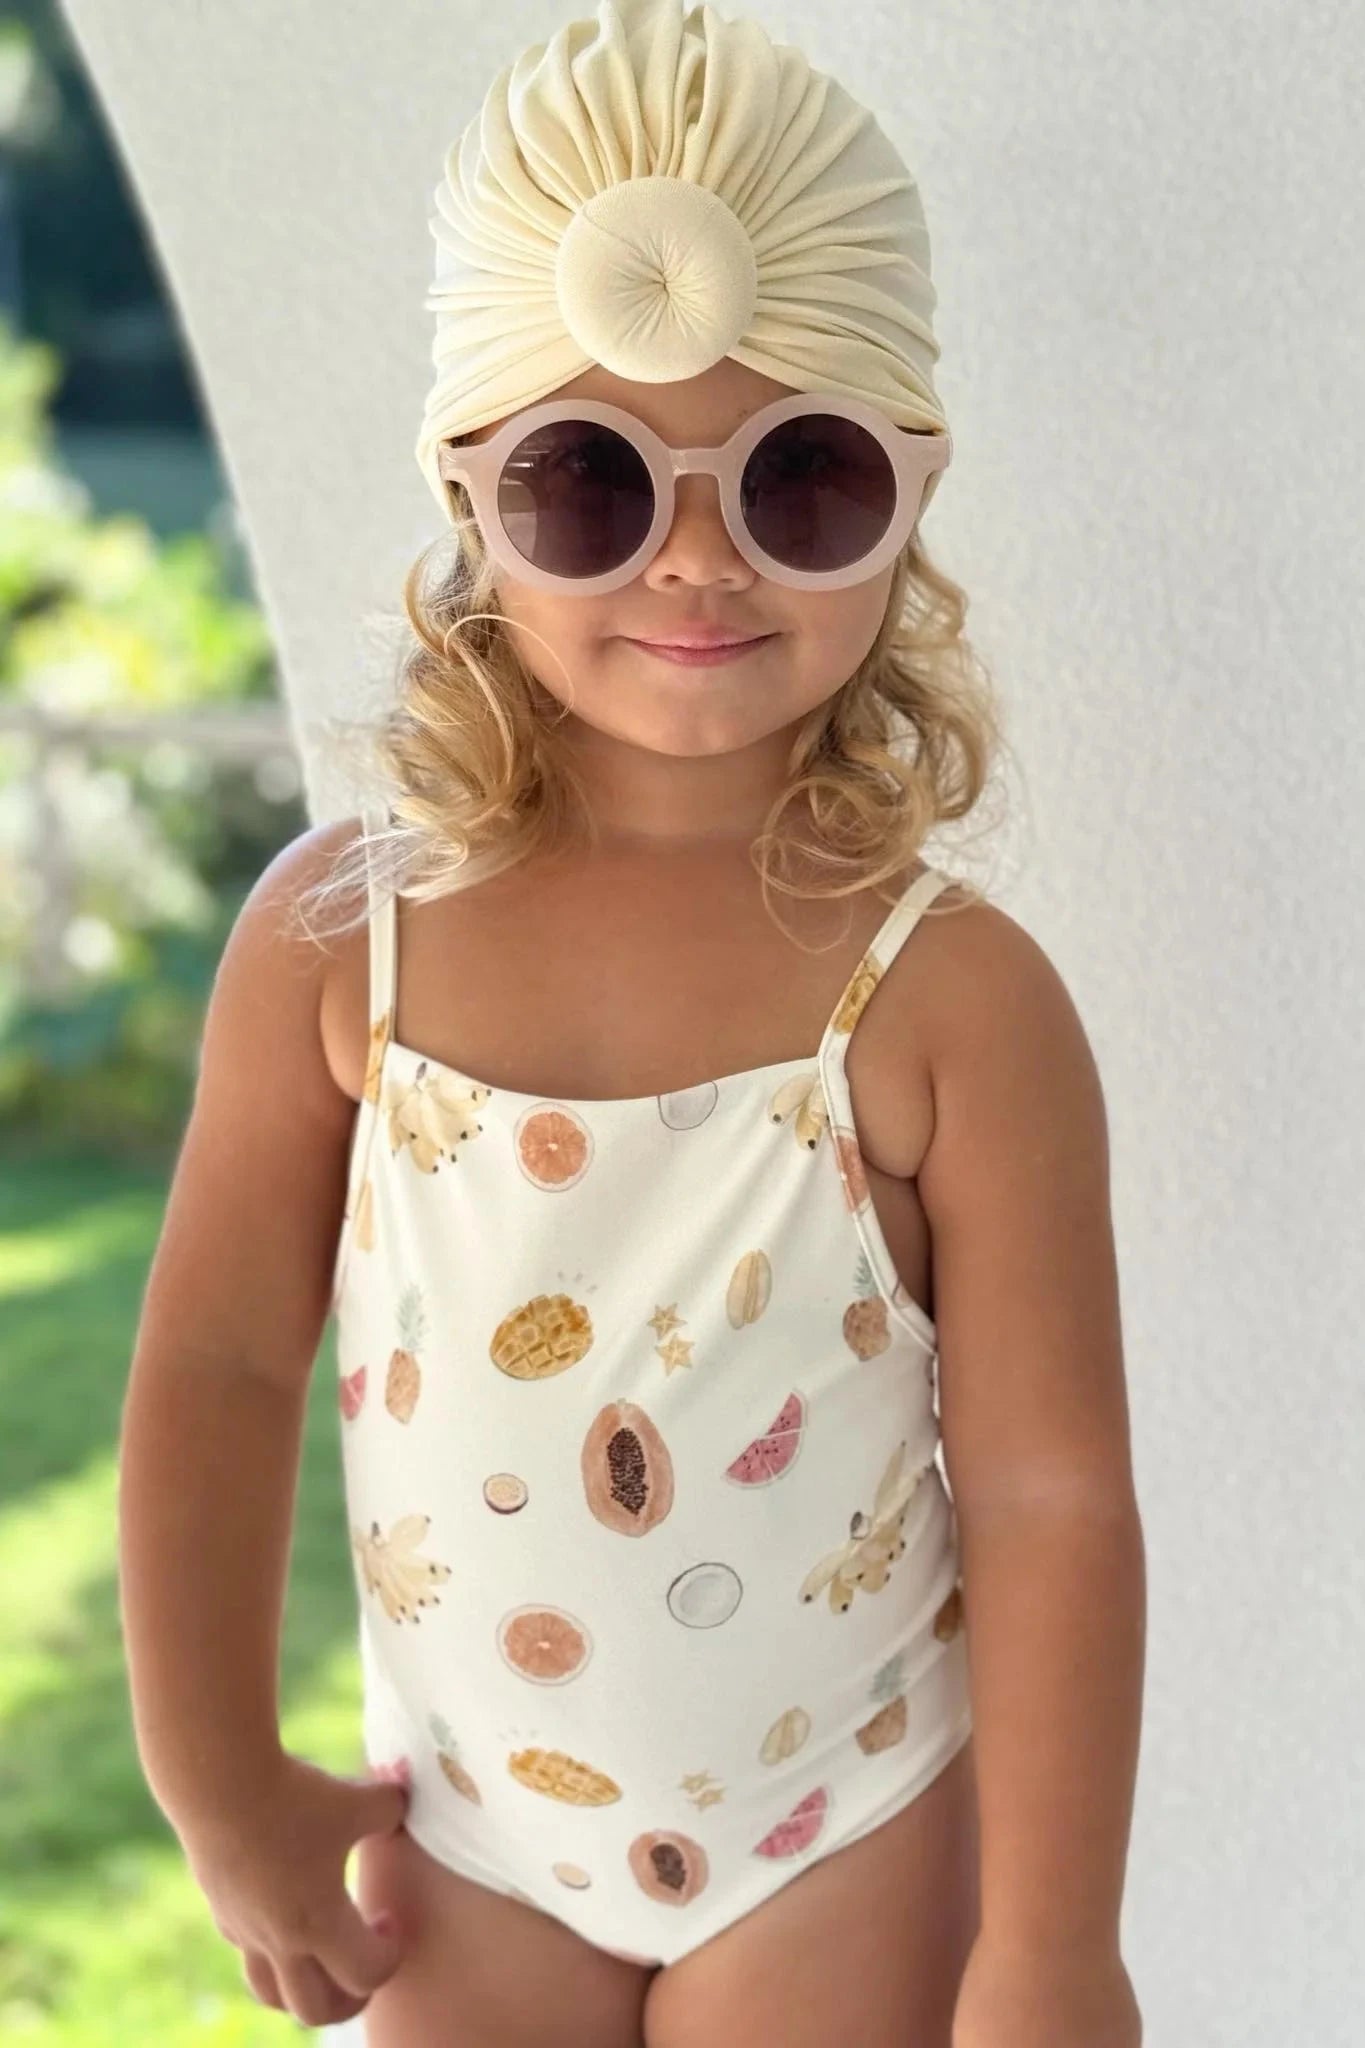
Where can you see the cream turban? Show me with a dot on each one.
(657, 190)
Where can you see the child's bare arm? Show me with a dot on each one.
(234, 1309)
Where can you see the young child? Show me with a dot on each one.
(623, 1190)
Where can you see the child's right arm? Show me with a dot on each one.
(232, 1317)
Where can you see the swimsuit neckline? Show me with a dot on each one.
(802, 1062)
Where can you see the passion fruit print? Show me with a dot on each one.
(553, 1147)
(544, 1644)
(668, 1866)
(627, 1471)
(505, 1493)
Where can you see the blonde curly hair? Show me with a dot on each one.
(477, 783)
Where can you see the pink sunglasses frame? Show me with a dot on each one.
(918, 460)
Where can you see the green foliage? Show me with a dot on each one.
(98, 617)
(104, 1936)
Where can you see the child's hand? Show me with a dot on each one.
(275, 1880)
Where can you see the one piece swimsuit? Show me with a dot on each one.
(658, 1575)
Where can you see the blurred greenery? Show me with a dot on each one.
(106, 957)
(104, 1937)
(162, 840)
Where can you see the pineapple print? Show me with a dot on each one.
(866, 1330)
(888, 1726)
(447, 1756)
(404, 1381)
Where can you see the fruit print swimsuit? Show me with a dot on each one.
(658, 1576)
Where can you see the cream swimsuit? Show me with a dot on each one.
(658, 1576)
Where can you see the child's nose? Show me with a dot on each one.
(697, 545)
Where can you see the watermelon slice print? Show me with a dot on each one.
(799, 1829)
(773, 1453)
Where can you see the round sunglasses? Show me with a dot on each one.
(816, 490)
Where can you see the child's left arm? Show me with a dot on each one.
(1033, 1410)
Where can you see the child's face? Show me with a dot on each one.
(628, 702)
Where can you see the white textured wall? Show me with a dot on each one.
(1147, 225)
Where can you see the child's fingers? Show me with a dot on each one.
(354, 1953)
(260, 1975)
(311, 1994)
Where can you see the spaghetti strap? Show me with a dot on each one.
(832, 1057)
(383, 934)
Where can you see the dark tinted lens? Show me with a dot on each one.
(576, 499)
(818, 492)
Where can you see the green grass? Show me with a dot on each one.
(104, 1936)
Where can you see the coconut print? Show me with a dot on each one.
(801, 1827)
(557, 1776)
(686, 1108)
(393, 1570)
(627, 1471)
(773, 1453)
(542, 1337)
(505, 1493)
(803, 1098)
(705, 1595)
(448, 1757)
(867, 1331)
(433, 1115)
(553, 1147)
(351, 1392)
(544, 1644)
(787, 1734)
(668, 1866)
(874, 1542)
(886, 1728)
(403, 1382)
(750, 1289)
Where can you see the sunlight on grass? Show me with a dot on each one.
(51, 1545)
(44, 1257)
(105, 1937)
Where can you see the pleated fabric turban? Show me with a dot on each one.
(657, 189)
